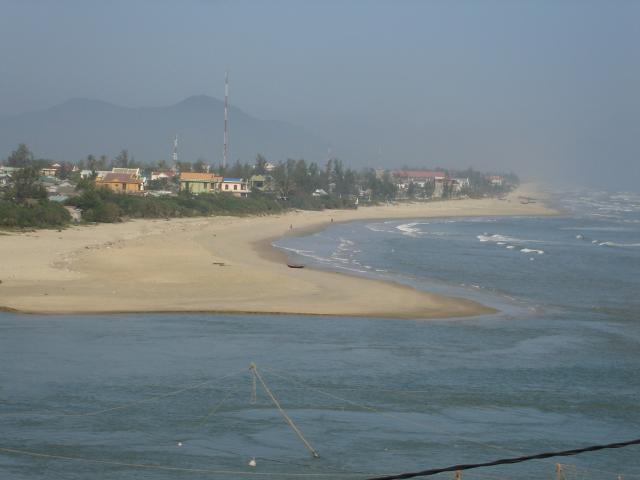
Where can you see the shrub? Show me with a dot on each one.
(40, 215)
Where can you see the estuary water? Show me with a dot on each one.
(171, 396)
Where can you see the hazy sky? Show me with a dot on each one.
(543, 87)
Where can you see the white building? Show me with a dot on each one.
(236, 186)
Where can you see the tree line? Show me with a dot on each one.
(292, 179)
(293, 183)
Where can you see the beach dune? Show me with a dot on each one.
(217, 264)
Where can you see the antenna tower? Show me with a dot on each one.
(226, 120)
(174, 156)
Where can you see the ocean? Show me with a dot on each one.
(172, 396)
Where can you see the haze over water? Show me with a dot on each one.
(557, 368)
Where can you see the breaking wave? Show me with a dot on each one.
(531, 250)
(510, 243)
(411, 230)
(616, 244)
(502, 239)
(377, 227)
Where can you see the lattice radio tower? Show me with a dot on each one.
(225, 147)
(174, 155)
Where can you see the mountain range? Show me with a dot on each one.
(78, 127)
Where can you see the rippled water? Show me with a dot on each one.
(558, 368)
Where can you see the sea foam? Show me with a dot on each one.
(410, 229)
(616, 244)
(531, 250)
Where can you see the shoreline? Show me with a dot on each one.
(223, 265)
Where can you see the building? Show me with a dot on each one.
(459, 184)
(5, 178)
(159, 175)
(8, 170)
(236, 186)
(194, 182)
(130, 171)
(51, 171)
(264, 183)
(404, 178)
(120, 182)
(5, 174)
(365, 194)
(212, 183)
(496, 180)
(418, 176)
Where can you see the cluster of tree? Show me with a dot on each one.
(102, 162)
(23, 157)
(125, 160)
(297, 179)
(24, 202)
(479, 184)
(104, 205)
(416, 190)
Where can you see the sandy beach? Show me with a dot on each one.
(218, 264)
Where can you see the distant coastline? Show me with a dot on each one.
(220, 265)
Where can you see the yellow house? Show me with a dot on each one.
(199, 182)
(120, 182)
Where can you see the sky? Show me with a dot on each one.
(548, 89)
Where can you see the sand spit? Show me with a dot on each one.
(217, 264)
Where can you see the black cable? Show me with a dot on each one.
(506, 461)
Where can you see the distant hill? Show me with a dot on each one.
(72, 130)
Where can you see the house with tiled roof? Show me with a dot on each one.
(131, 171)
(120, 182)
(195, 182)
